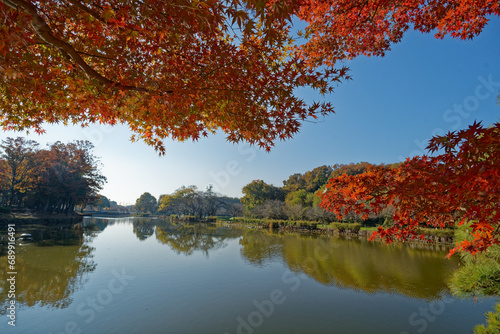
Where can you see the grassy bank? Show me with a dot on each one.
(431, 234)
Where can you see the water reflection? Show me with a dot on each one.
(187, 238)
(57, 263)
(417, 271)
(51, 267)
(143, 228)
(184, 238)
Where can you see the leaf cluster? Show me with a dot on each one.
(184, 69)
(457, 186)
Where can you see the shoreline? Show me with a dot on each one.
(365, 234)
(29, 218)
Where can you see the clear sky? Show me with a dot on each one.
(388, 112)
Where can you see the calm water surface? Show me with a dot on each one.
(149, 276)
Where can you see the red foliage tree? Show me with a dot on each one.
(340, 29)
(460, 185)
(183, 69)
(178, 69)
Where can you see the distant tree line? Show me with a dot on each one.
(51, 180)
(297, 199)
(103, 204)
(190, 201)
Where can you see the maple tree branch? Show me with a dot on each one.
(370, 19)
(359, 5)
(97, 56)
(87, 10)
(42, 29)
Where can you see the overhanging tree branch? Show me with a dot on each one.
(43, 31)
(81, 6)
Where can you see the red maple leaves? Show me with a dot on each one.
(182, 69)
(460, 185)
(342, 29)
(177, 69)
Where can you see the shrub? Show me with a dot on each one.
(492, 321)
(438, 232)
(342, 227)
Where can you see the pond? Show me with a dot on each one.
(143, 275)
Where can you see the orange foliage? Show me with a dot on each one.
(178, 69)
(341, 29)
(460, 185)
(183, 69)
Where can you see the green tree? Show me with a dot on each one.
(492, 322)
(309, 181)
(301, 197)
(165, 204)
(317, 177)
(294, 182)
(190, 201)
(146, 203)
(257, 192)
(184, 201)
(478, 276)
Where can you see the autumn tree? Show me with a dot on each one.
(68, 175)
(301, 198)
(18, 166)
(184, 69)
(298, 198)
(178, 69)
(51, 180)
(344, 29)
(459, 186)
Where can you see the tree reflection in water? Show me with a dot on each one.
(187, 238)
(58, 261)
(53, 266)
(143, 227)
(417, 271)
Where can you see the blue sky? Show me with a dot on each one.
(388, 112)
